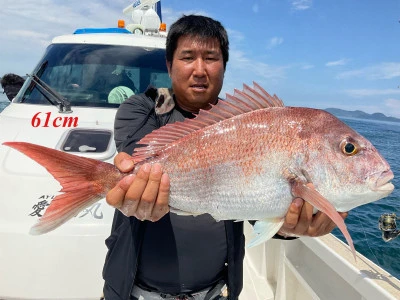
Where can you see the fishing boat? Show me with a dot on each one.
(69, 103)
(313, 268)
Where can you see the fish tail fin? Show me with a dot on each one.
(62, 208)
(312, 196)
(83, 182)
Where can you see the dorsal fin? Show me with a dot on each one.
(241, 102)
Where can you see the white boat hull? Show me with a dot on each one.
(313, 268)
(67, 263)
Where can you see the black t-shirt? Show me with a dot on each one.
(178, 253)
(182, 254)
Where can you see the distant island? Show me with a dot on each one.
(358, 114)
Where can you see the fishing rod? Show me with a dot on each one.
(387, 224)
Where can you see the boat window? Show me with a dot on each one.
(97, 75)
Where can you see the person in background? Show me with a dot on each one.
(11, 84)
(153, 254)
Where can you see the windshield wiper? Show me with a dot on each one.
(64, 106)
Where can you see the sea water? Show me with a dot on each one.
(362, 221)
(3, 105)
(3, 100)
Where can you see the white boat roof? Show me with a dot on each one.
(124, 39)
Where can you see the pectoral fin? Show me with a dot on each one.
(181, 212)
(307, 192)
(264, 230)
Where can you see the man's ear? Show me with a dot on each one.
(169, 66)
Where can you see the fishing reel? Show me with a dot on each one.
(387, 224)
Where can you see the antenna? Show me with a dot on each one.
(144, 17)
(138, 4)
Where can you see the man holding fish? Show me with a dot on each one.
(157, 255)
(242, 158)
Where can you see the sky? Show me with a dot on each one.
(311, 53)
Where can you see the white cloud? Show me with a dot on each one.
(386, 108)
(371, 92)
(35, 38)
(235, 36)
(255, 8)
(301, 4)
(340, 62)
(393, 105)
(389, 106)
(53, 16)
(28, 26)
(307, 66)
(240, 61)
(380, 71)
(170, 16)
(273, 42)
(241, 67)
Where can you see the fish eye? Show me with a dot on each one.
(349, 148)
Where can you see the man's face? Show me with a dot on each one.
(197, 72)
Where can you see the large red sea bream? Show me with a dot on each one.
(244, 159)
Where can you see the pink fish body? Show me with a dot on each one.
(238, 169)
(244, 159)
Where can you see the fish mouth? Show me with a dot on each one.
(383, 182)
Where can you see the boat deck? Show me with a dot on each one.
(313, 268)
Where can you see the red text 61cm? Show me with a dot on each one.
(45, 120)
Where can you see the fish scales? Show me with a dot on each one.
(201, 165)
(244, 159)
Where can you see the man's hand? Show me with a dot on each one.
(300, 221)
(144, 195)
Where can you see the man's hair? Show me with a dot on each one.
(11, 84)
(197, 27)
(11, 79)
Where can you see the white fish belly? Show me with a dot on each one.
(219, 192)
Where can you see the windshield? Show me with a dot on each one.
(96, 75)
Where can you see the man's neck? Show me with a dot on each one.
(193, 110)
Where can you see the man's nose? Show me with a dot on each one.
(199, 67)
